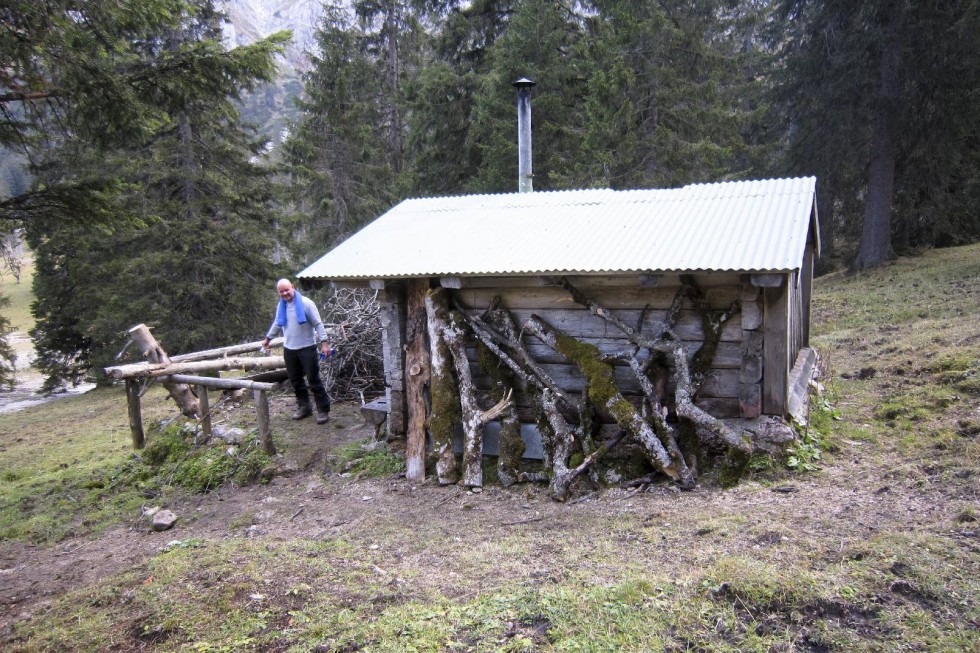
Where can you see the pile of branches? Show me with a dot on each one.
(352, 317)
(565, 425)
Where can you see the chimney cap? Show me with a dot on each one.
(523, 83)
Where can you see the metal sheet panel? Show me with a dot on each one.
(757, 226)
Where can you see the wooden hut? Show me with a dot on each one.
(747, 247)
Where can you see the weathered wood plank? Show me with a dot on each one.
(717, 383)
(541, 299)
(727, 356)
(775, 379)
(582, 324)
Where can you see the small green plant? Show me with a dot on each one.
(369, 458)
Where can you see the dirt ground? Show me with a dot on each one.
(420, 526)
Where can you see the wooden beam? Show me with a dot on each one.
(262, 412)
(135, 415)
(649, 280)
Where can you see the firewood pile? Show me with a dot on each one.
(353, 321)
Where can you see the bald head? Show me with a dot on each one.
(285, 288)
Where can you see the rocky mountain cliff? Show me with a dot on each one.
(250, 20)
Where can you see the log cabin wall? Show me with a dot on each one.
(722, 390)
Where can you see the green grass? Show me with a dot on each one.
(713, 570)
(20, 295)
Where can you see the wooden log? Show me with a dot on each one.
(262, 413)
(221, 352)
(180, 392)
(605, 395)
(135, 414)
(142, 370)
(202, 395)
(418, 367)
(221, 384)
(445, 392)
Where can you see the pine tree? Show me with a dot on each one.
(177, 215)
(339, 156)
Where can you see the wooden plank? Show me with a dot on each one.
(582, 324)
(717, 383)
(775, 379)
(728, 355)
(554, 297)
(135, 414)
(262, 413)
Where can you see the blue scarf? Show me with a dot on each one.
(297, 304)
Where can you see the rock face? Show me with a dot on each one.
(250, 20)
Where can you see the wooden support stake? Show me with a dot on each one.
(135, 415)
(262, 411)
(202, 396)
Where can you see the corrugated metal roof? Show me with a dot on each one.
(758, 226)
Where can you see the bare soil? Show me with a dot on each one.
(432, 529)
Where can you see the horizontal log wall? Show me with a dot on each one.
(723, 387)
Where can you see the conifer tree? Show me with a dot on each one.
(339, 156)
(163, 221)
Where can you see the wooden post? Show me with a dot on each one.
(153, 352)
(135, 415)
(202, 395)
(262, 410)
(417, 364)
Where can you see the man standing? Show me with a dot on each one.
(298, 319)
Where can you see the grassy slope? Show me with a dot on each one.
(879, 554)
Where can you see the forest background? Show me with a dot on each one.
(132, 165)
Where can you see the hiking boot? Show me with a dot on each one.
(321, 417)
(302, 412)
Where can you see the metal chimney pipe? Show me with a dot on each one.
(524, 174)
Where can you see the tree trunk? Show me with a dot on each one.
(153, 352)
(418, 367)
(445, 410)
(876, 227)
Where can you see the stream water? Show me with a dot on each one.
(29, 381)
